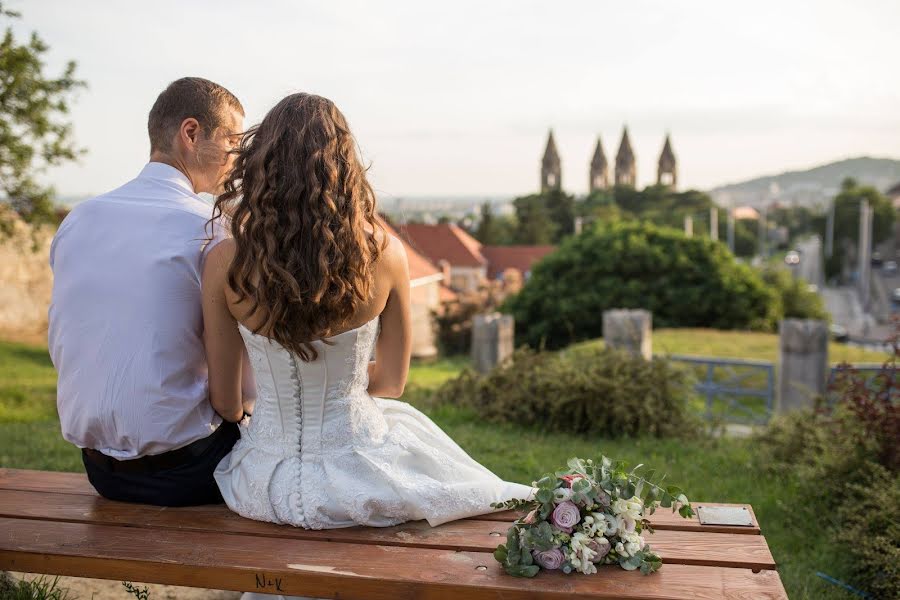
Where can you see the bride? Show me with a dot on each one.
(310, 284)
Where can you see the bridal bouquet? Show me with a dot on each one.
(593, 513)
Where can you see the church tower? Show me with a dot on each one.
(551, 171)
(599, 169)
(626, 167)
(667, 174)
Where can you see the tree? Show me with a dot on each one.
(34, 131)
(534, 224)
(494, 230)
(846, 221)
(684, 282)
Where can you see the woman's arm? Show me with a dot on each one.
(387, 375)
(224, 346)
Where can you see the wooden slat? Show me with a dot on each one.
(664, 518)
(77, 483)
(46, 481)
(676, 547)
(329, 569)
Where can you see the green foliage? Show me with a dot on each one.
(589, 390)
(33, 131)
(544, 218)
(40, 588)
(846, 460)
(797, 300)
(846, 220)
(493, 230)
(684, 282)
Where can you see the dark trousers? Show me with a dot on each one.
(189, 483)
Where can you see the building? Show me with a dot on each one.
(625, 171)
(464, 261)
(667, 169)
(427, 295)
(551, 168)
(626, 165)
(599, 178)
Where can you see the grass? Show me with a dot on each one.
(749, 345)
(719, 470)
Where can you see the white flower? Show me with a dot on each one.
(561, 495)
(625, 524)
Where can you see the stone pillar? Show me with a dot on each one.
(802, 363)
(714, 223)
(629, 330)
(493, 340)
(689, 226)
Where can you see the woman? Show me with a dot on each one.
(311, 283)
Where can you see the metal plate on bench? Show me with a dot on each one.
(724, 515)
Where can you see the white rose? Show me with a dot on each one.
(561, 495)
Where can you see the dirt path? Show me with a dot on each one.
(103, 589)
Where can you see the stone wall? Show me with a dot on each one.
(25, 281)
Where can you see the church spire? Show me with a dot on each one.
(667, 172)
(551, 169)
(599, 179)
(626, 168)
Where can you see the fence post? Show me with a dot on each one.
(493, 339)
(802, 363)
(629, 330)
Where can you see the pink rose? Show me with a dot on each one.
(600, 547)
(549, 559)
(570, 479)
(565, 516)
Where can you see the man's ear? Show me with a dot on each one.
(189, 132)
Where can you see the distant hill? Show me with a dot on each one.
(812, 186)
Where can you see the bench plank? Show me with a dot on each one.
(77, 483)
(676, 547)
(664, 518)
(304, 567)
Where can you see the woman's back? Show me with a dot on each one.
(310, 286)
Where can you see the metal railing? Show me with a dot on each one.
(734, 390)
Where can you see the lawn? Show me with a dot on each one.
(710, 469)
(748, 345)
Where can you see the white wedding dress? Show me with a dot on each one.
(321, 453)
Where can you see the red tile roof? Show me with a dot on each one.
(419, 266)
(445, 241)
(520, 258)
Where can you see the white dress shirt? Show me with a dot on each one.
(126, 326)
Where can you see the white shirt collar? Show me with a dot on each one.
(164, 172)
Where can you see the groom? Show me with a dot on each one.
(126, 329)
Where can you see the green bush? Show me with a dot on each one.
(797, 300)
(685, 282)
(591, 391)
(846, 460)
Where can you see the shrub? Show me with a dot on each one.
(685, 282)
(589, 391)
(797, 300)
(846, 458)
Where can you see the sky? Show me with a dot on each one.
(456, 98)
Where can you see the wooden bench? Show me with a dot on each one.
(56, 524)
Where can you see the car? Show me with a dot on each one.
(839, 333)
(889, 268)
(792, 258)
(876, 259)
(895, 295)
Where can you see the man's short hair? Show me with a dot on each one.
(184, 98)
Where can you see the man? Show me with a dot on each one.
(126, 328)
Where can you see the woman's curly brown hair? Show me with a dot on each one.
(303, 221)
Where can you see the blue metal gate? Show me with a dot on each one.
(734, 390)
